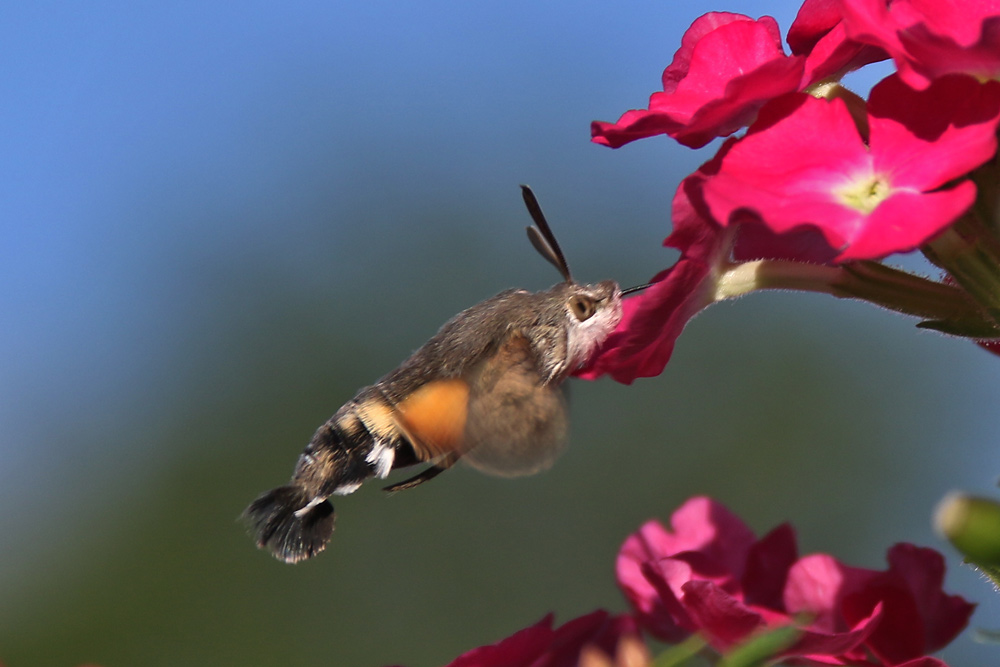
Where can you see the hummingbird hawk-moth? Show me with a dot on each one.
(486, 389)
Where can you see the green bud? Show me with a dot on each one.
(972, 525)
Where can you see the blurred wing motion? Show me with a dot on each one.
(504, 419)
(516, 423)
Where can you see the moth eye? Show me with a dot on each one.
(583, 308)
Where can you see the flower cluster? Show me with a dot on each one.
(811, 188)
(711, 575)
(822, 184)
(708, 574)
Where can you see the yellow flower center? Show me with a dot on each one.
(864, 195)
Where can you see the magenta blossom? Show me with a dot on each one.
(728, 66)
(929, 39)
(818, 182)
(806, 164)
(710, 574)
(652, 320)
(541, 645)
(818, 33)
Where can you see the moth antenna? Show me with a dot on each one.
(541, 235)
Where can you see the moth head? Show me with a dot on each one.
(591, 313)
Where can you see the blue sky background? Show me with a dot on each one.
(219, 219)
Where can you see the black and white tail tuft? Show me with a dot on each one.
(290, 524)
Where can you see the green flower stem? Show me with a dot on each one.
(948, 308)
(761, 649)
(971, 254)
(680, 654)
(739, 279)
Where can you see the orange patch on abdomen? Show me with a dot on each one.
(433, 418)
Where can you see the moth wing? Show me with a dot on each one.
(515, 423)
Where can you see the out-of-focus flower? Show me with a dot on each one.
(806, 164)
(541, 645)
(709, 574)
(929, 39)
(631, 652)
(728, 66)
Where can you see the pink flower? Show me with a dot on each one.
(710, 574)
(652, 320)
(728, 66)
(804, 163)
(818, 33)
(930, 38)
(540, 645)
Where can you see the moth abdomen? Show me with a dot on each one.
(333, 463)
(359, 442)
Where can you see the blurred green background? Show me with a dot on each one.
(221, 219)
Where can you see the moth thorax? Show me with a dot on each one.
(593, 312)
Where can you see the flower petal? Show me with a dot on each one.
(944, 616)
(767, 565)
(728, 66)
(900, 632)
(907, 220)
(833, 647)
(924, 139)
(519, 649)
(923, 662)
(929, 39)
(541, 646)
(816, 586)
(706, 542)
(652, 320)
(818, 33)
(722, 619)
(644, 574)
(804, 165)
